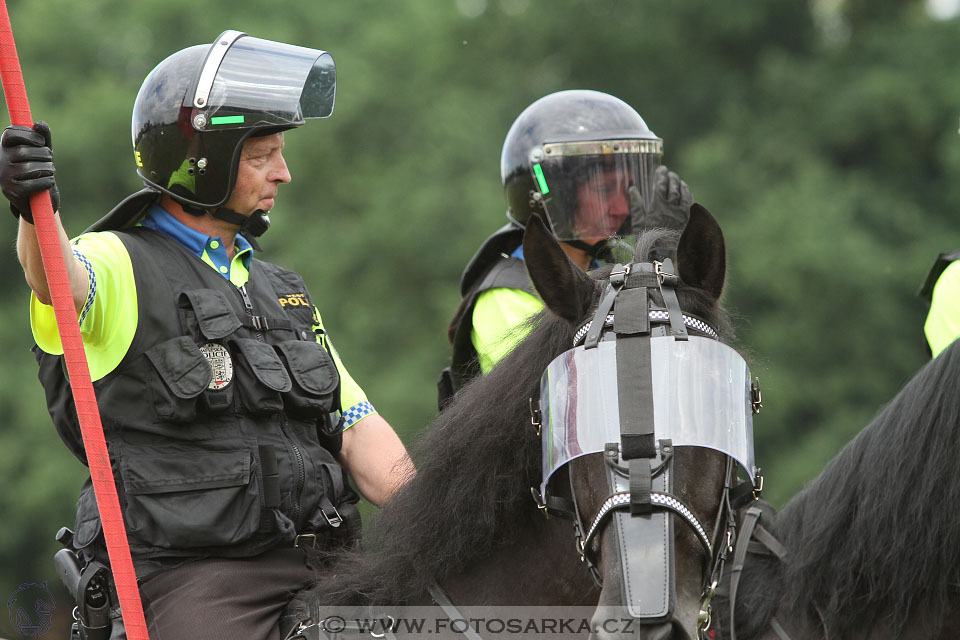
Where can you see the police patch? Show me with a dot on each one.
(219, 358)
(293, 300)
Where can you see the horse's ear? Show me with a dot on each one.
(563, 286)
(702, 253)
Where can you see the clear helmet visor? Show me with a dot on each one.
(701, 397)
(584, 186)
(250, 82)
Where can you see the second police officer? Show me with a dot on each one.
(587, 163)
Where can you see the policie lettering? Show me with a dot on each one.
(294, 300)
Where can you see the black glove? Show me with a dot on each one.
(26, 167)
(669, 207)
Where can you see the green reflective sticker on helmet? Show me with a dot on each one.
(226, 120)
(544, 189)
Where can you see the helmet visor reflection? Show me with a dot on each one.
(262, 83)
(584, 186)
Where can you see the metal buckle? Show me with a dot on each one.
(335, 520)
(705, 616)
(756, 400)
(665, 277)
(619, 275)
(541, 505)
(535, 415)
(299, 544)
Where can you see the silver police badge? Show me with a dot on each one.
(219, 358)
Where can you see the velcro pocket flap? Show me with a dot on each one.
(152, 474)
(215, 314)
(311, 366)
(183, 368)
(264, 363)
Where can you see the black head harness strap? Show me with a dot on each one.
(627, 296)
(643, 481)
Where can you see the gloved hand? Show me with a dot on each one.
(669, 207)
(26, 167)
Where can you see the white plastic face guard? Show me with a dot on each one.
(701, 395)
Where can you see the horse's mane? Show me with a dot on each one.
(475, 464)
(874, 538)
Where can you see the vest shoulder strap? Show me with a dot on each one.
(939, 266)
(503, 241)
(510, 273)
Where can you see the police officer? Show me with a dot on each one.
(587, 163)
(942, 291)
(229, 415)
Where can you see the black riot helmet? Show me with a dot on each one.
(571, 156)
(197, 107)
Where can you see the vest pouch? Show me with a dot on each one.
(213, 316)
(182, 375)
(259, 376)
(183, 498)
(315, 379)
(87, 527)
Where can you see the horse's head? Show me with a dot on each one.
(643, 424)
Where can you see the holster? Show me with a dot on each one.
(97, 615)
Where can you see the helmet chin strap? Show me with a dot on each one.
(256, 224)
(251, 227)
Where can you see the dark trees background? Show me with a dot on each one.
(822, 135)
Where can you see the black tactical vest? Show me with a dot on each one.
(215, 417)
(490, 268)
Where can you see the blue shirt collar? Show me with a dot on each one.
(518, 253)
(159, 219)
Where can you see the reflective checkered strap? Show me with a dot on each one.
(655, 315)
(354, 414)
(91, 285)
(621, 500)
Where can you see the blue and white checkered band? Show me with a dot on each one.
(356, 412)
(218, 357)
(655, 315)
(621, 500)
(91, 285)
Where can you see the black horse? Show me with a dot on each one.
(467, 521)
(873, 543)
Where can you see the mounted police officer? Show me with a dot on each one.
(230, 418)
(587, 163)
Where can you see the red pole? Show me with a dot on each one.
(87, 411)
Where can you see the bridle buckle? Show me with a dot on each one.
(665, 277)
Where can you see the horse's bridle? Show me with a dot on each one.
(716, 547)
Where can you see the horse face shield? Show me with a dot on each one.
(639, 386)
(699, 395)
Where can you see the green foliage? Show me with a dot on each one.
(823, 139)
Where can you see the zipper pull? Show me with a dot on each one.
(246, 299)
